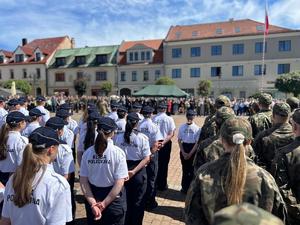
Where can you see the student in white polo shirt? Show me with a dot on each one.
(23, 106)
(3, 112)
(113, 114)
(35, 194)
(68, 135)
(188, 135)
(103, 172)
(35, 116)
(121, 122)
(41, 101)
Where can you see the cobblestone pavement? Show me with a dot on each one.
(171, 202)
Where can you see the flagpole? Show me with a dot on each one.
(266, 30)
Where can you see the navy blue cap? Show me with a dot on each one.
(2, 99)
(107, 125)
(36, 112)
(15, 117)
(44, 137)
(122, 109)
(114, 104)
(13, 102)
(162, 105)
(40, 99)
(147, 110)
(63, 113)
(94, 116)
(191, 113)
(56, 123)
(91, 105)
(136, 105)
(133, 116)
(92, 108)
(65, 106)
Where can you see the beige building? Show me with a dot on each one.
(140, 63)
(30, 61)
(92, 65)
(230, 55)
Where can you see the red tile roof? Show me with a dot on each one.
(7, 53)
(155, 45)
(229, 28)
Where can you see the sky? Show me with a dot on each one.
(107, 22)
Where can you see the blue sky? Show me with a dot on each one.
(105, 22)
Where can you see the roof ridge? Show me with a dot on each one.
(161, 39)
(208, 23)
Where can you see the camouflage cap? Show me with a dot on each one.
(265, 99)
(245, 214)
(293, 102)
(282, 109)
(223, 114)
(222, 100)
(296, 116)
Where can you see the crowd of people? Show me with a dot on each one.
(123, 145)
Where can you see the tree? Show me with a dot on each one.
(165, 81)
(21, 85)
(106, 87)
(204, 88)
(80, 86)
(289, 83)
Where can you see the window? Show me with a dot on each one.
(142, 55)
(219, 31)
(157, 74)
(131, 56)
(194, 33)
(101, 59)
(195, 52)
(216, 50)
(79, 75)
(123, 76)
(238, 49)
(38, 73)
(24, 73)
(285, 46)
(176, 52)
(242, 94)
(283, 68)
(60, 61)
(134, 76)
(38, 56)
(178, 34)
(101, 75)
(136, 56)
(1, 59)
(195, 72)
(176, 73)
(80, 60)
(260, 28)
(237, 70)
(19, 58)
(216, 71)
(60, 77)
(12, 74)
(259, 47)
(148, 55)
(237, 30)
(258, 70)
(146, 75)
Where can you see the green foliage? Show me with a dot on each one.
(165, 80)
(204, 88)
(80, 86)
(289, 83)
(106, 87)
(21, 85)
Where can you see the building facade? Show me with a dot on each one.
(92, 65)
(140, 63)
(230, 55)
(30, 61)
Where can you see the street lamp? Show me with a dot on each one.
(32, 77)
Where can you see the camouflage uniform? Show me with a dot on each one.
(206, 194)
(269, 141)
(286, 170)
(263, 119)
(293, 103)
(245, 214)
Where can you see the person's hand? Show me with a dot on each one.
(101, 206)
(1, 186)
(96, 211)
(131, 173)
(184, 154)
(188, 156)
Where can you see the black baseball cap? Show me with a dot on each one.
(107, 125)
(63, 113)
(133, 117)
(136, 105)
(94, 116)
(147, 110)
(40, 99)
(44, 137)
(13, 102)
(191, 113)
(36, 112)
(15, 117)
(56, 123)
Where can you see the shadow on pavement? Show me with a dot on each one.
(176, 213)
(80, 221)
(172, 194)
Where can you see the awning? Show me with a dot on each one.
(161, 91)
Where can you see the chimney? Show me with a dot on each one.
(231, 19)
(72, 42)
(24, 41)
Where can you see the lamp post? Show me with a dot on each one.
(32, 78)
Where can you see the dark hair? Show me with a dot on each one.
(3, 140)
(121, 114)
(33, 118)
(128, 130)
(90, 134)
(100, 143)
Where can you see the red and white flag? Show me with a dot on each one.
(266, 20)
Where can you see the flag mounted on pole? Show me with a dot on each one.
(266, 20)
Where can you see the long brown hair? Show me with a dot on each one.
(100, 143)
(3, 141)
(237, 165)
(24, 175)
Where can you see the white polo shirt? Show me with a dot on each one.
(113, 115)
(150, 129)
(82, 133)
(45, 117)
(165, 123)
(30, 128)
(24, 111)
(189, 133)
(64, 162)
(68, 136)
(3, 114)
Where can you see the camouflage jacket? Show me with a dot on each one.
(269, 141)
(260, 121)
(206, 194)
(209, 128)
(286, 170)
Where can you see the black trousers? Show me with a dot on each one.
(114, 214)
(151, 169)
(135, 191)
(71, 182)
(187, 167)
(163, 163)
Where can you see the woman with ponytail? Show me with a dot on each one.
(232, 179)
(137, 151)
(103, 172)
(35, 194)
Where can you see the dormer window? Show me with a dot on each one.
(101, 59)
(148, 55)
(219, 31)
(260, 28)
(1, 59)
(237, 30)
(194, 33)
(19, 58)
(38, 56)
(61, 61)
(80, 60)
